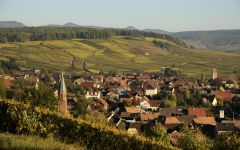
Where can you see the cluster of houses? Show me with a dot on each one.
(129, 100)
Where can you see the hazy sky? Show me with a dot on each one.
(171, 15)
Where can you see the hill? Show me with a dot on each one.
(117, 53)
(130, 28)
(11, 24)
(225, 40)
(157, 31)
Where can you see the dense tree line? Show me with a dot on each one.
(138, 33)
(60, 33)
(43, 33)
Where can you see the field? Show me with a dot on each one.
(20, 142)
(117, 53)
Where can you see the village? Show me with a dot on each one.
(138, 101)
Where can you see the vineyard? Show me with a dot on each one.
(19, 118)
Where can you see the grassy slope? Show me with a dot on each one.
(118, 54)
(19, 142)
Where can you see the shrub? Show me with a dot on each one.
(17, 117)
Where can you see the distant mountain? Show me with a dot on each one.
(157, 31)
(226, 40)
(130, 28)
(11, 24)
(70, 24)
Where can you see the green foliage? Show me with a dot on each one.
(193, 139)
(9, 65)
(20, 142)
(168, 104)
(162, 44)
(216, 82)
(21, 118)
(228, 141)
(41, 34)
(159, 133)
(79, 107)
(169, 72)
(43, 96)
(2, 89)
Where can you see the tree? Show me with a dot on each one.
(43, 96)
(203, 77)
(79, 108)
(193, 139)
(2, 89)
(168, 104)
(159, 133)
(229, 141)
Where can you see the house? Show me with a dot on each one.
(199, 112)
(236, 122)
(92, 94)
(170, 122)
(132, 110)
(170, 112)
(207, 125)
(204, 121)
(97, 105)
(174, 137)
(149, 104)
(87, 84)
(148, 116)
(7, 81)
(186, 119)
(225, 128)
(154, 104)
(134, 128)
(104, 103)
(223, 95)
(150, 90)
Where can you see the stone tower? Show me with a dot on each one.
(62, 96)
(214, 73)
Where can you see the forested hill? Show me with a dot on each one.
(67, 33)
(217, 40)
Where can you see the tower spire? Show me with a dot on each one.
(62, 95)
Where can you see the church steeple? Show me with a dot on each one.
(62, 95)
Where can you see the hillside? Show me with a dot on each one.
(11, 24)
(157, 31)
(17, 142)
(117, 53)
(225, 40)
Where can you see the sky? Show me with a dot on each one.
(170, 15)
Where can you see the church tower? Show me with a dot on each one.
(62, 95)
(214, 73)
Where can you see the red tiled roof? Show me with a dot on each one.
(103, 102)
(223, 95)
(136, 102)
(172, 120)
(134, 110)
(197, 112)
(154, 103)
(87, 84)
(146, 116)
(205, 120)
(149, 116)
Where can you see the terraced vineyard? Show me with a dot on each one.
(117, 53)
